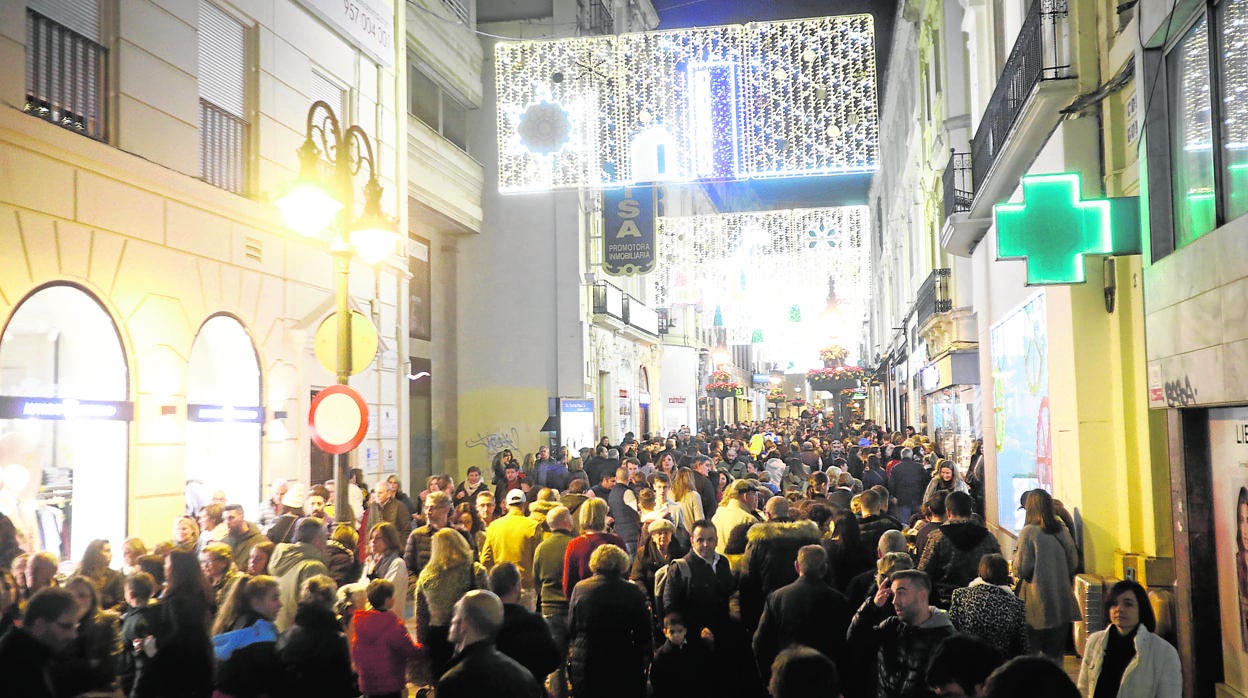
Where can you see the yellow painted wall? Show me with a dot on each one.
(497, 418)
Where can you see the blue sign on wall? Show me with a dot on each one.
(628, 231)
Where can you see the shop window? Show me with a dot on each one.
(225, 416)
(1191, 136)
(1233, 68)
(64, 432)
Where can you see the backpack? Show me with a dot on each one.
(661, 577)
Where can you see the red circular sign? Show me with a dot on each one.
(338, 419)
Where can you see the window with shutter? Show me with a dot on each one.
(329, 92)
(66, 65)
(223, 128)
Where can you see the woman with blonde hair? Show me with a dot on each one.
(450, 574)
(593, 514)
(244, 640)
(685, 494)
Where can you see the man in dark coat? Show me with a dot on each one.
(954, 550)
(525, 636)
(904, 643)
(706, 489)
(478, 668)
(770, 550)
(806, 612)
(622, 506)
(874, 522)
(907, 483)
(27, 653)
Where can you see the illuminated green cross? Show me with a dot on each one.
(1053, 228)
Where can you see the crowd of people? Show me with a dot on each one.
(785, 558)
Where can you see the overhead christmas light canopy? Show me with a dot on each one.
(773, 99)
(799, 276)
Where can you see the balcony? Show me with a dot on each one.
(1035, 84)
(641, 319)
(933, 297)
(959, 191)
(593, 18)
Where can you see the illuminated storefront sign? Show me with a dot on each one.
(63, 408)
(1053, 228)
(224, 413)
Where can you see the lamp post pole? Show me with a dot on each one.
(346, 151)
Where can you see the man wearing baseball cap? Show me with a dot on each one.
(512, 538)
(741, 504)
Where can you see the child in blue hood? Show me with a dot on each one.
(244, 640)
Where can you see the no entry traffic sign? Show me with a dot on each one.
(338, 419)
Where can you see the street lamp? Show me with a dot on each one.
(317, 199)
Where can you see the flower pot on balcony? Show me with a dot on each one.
(721, 393)
(833, 385)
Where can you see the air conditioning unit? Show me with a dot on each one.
(1089, 594)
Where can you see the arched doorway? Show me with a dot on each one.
(64, 413)
(224, 415)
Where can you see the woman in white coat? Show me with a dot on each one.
(1126, 660)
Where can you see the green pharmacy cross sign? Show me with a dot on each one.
(1054, 228)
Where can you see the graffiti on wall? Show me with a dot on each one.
(496, 441)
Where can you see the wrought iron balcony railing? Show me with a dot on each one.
(933, 296)
(1040, 53)
(959, 191)
(593, 17)
(65, 76)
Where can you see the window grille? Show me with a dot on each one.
(223, 127)
(65, 75)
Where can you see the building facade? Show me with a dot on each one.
(159, 320)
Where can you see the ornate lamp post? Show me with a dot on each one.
(322, 197)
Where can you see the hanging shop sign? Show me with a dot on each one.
(628, 226)
(12, 407)
(224, 413)
(1054, 227)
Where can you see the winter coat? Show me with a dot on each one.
(936, 485)
(437, 592)
(341, 563)
(182, 665)
(1154, 672)
(627, 520)
(951, 557)
(767, 565)
(26, 665)
(381, 649)
(526, 638)
(993, 614)
(89, 663)
(315, 656)
(907, 482)
(512, 538)
(481, 671)
(419, 548)
(548, 573)
(870, 528)
(1044, 563)
(292, 564)
(247, 663)
(806, 612)
(389, 567)
(727, 518)
(699, 592)
(241, 545)
(576, 558)
(681, 672)
(903, 650)
(609, 638)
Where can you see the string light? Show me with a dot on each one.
(774, 99)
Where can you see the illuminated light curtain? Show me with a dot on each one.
(771, 99)
(1233, 21)
(1192, 149)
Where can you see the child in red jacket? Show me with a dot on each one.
(380, 644)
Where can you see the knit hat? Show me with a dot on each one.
(295, 494)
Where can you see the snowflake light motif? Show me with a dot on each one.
(545, 128)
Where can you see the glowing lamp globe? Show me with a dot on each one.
(307, 208)
(374, 243)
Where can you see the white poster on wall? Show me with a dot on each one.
(1228, 440)
(576, 423)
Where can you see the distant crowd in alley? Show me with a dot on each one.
(787, 558)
